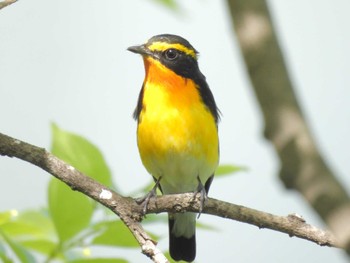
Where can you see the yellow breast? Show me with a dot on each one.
(177, 135)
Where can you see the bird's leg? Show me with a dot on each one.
(203, 195)
(145, 200)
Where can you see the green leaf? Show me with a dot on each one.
(205, 226)
(15, 229)
(5, 217)
(3, 256)
(99, 260)
(71, 211)
(227, 169)
(171, 4)
(22, 254)
(155, 218)
(32, 229)
(41, 221)
(5, 259)
(167, 255)
(81, 154)
(29, 225)
(40, 245)
(114, 233)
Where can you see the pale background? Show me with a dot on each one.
(66, 62)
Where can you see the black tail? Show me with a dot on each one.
(181, 248)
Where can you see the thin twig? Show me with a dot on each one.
(6, 3)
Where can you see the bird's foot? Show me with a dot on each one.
(203, 195)
(145, 199)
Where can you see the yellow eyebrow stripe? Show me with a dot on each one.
(162, 46)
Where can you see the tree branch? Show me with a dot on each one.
(293, 224)
(126, 208)
(6, 3)
(131, 213)
(302, 165)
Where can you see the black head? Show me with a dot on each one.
(178, 55)
(174, 52)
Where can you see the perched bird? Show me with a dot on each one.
(177, 132)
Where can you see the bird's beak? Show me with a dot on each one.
(142, 50)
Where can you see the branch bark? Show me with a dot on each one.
(6, 3)
(302, 165)
(130, 212)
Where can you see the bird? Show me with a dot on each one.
(177, 130)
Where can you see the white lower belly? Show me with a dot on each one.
(179, 173)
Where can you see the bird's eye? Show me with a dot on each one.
(171, 54)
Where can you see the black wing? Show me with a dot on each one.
(139, 105)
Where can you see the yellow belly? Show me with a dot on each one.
(177, 136)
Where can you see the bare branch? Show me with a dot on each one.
(131, 213)
(126, 208)
(293, 224)
(6, 3)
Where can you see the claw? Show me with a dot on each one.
(145, 200)
(203, 196)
